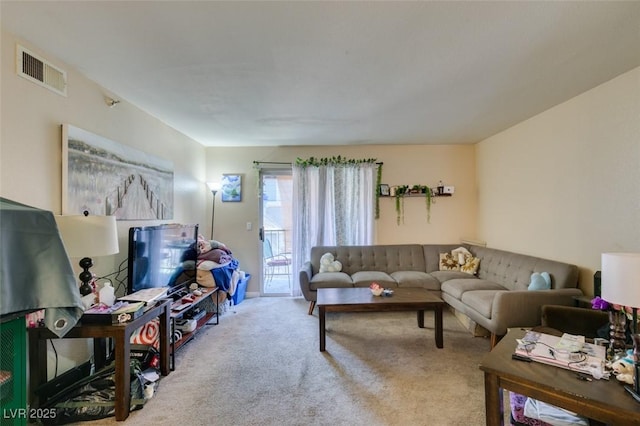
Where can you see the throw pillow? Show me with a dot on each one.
(449, 262)
(540, 281)
(462, 254)
(328, 264)
(471, 265)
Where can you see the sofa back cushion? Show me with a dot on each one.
(383, 258)
(513, 270)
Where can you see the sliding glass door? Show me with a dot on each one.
(275, 231)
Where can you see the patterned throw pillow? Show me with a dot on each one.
(448, 262)
(148, 334)
(471, 265)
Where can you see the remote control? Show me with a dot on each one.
(520, 358)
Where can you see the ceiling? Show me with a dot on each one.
(336, 73)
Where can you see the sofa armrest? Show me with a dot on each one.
(523, 308)
(305, 275)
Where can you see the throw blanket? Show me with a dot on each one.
(224, 276)
(216, 266)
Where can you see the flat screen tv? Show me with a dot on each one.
(162, 256)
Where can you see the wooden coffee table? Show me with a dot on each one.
(360, 299)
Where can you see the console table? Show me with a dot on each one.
(602, 400)
(121, 335)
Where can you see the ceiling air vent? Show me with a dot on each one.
(41, 72)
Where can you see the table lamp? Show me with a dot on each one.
(214, 187)
(87, 235)
(620, 276)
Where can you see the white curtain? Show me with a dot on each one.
(332, 205)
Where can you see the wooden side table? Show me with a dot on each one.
(121, 335)
(602, 400)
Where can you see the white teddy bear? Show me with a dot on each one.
(624, 370)
(328, 264)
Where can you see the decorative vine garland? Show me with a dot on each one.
(332, 161)
(377, 189)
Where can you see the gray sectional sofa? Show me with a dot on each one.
(495, 297)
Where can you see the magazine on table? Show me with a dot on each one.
(147, 295)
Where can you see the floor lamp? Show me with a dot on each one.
(214, 187)
(620, 276)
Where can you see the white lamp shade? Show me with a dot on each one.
(214, 186)
(621, 278)
(88, 236)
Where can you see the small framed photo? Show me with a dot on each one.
(231, 188)
(384, 190)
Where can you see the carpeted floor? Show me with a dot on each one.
(262, 366)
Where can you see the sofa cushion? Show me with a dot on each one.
(365, 278)
(416, 279)
(443, 276)
(480, 300)
(385, 258)
(330, 280)
(457, 287)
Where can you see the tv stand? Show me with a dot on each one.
(202, 309)
(121, 335)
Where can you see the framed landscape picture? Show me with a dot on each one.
(231, 187)
(104, 177)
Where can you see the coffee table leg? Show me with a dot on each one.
(322, 327)
(421, 319)
(437, 312)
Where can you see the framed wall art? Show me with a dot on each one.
(104, 177)
(231, 188)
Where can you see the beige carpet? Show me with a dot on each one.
(262, 366)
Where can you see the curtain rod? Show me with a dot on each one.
(285, 163)
(270, 162)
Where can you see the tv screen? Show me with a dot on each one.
(162, 256)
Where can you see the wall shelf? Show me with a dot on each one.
(416, 195)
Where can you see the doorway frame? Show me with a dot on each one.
(280, 170)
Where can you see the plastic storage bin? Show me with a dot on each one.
(238, 296)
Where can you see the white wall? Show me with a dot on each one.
(566, 184)
(451, 217)
(31, 146)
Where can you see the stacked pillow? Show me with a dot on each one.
(459, 259)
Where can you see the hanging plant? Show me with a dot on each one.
(429, 201)
(401, 191)
(404, 190)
